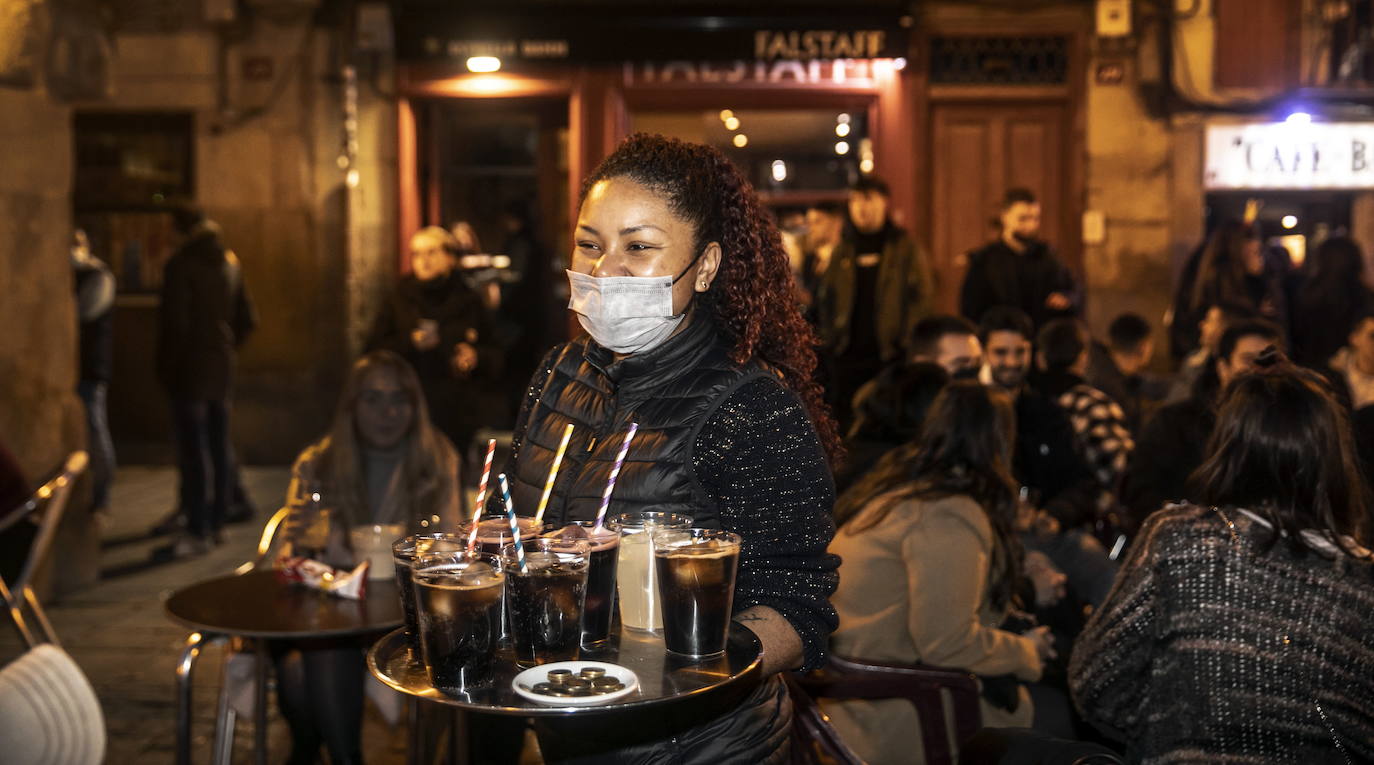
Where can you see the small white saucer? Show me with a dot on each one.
(525, 681)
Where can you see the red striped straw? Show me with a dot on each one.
(615, 473)
(553, 473)
(481, 494)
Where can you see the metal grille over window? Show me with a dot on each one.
(999, 60)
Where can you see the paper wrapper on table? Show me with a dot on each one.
(319, 576)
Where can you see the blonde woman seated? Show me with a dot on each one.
(381, 463)
(931, 559)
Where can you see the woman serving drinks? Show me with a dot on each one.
(681, 282)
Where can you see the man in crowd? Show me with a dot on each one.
(950, 341)
(1098, 422)
(204, 315)
(1118, 368)
(1215, 320)
(1173, 444)
(1353, 365)
(813, 249)
(95, 294)
(875, 289)
(1054, 476)
(1018, 269)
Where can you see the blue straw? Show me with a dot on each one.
(514, 522)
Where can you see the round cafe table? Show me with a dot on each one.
(257, 606)
(674, 692)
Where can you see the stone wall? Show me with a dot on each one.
(41, 418)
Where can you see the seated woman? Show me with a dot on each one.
(382, 462)
(942, 522)
(1242, 630)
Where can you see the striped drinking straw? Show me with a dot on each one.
(615, 473)
(553, 473)
(514, 523)
(481, 494)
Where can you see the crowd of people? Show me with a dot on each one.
(1176, 565)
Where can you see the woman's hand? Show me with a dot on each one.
(1043, 641)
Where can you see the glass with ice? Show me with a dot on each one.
(599, 605)
(696, 584)
(493, 531)
(373, 544)
(635, 579)
(544, 598)
(458, 600)
(404, 551)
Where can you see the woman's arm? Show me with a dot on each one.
(759, 460)
(947, 561)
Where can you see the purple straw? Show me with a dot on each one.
(514, 522)
(615, 473)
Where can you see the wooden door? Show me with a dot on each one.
(978, 151)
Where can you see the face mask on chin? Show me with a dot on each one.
(626, 314)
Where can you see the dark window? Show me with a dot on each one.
(999, 60)
(129, 166)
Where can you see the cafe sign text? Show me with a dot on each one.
(1323, 155)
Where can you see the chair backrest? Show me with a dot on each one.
(51, 499)
(814, 740)
(265, 541)
(49, 713)
(925, 687)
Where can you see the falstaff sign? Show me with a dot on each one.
(1330, 155)
(585, 34)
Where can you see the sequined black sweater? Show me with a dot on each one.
(1212, 648)
(760, 462)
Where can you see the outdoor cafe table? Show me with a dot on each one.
(256, 605)
(674, 692)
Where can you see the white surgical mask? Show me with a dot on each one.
(624, 314)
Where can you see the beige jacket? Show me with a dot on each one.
(913, 589)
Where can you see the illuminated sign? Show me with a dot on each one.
(838, 72)
(1282, 155)
(819, 43)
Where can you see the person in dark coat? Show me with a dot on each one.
(436, 321)
(95, 293)
(1230, 269)
(877, 286)
(1018, 269)
(680, 279)
(1173, 443)
(888, 413)
(1055, 478)
(1118, 369)
(204, 315)
(1330, 299)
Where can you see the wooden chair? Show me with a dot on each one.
(814, 741)
(925, 687)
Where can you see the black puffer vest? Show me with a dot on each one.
(670, 391)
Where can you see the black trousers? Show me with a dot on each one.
(320, 693)
(204, 460)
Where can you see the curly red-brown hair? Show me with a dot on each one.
(752, 296)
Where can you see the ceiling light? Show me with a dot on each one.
(740, 140)
(842, 129)
(732, 123)
(483, 64)
(843, 119)
(1289, 221)
(779, 170)
(841, 147)
(866, 165)
(726, 114)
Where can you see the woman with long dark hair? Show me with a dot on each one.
(1230, 269)
(931, 561)
(681, 282)
(1242, 629)
(1328, 302)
